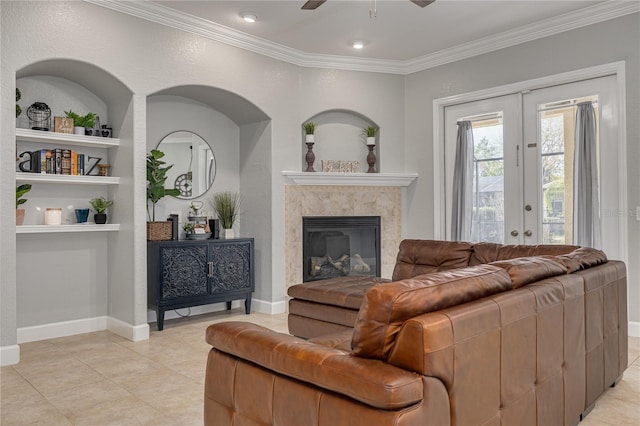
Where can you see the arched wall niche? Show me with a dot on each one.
(239, 133)
(338, 136)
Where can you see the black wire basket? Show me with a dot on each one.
(39, 116)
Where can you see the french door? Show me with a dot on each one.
(522, 185)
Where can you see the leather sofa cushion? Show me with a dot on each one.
(418, 257)
(491, 252)
(386, 307)
(582, 258)
(525, 270)
(346, 292)
(369, 381)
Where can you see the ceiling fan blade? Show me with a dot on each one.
(422, 3)
(311, 4)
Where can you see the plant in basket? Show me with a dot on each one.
(156, 177)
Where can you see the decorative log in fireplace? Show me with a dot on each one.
(335, 246)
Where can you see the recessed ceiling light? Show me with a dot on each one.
(249, 17)
(358, 44)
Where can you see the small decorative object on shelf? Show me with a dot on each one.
(227, 208)
(369, 133)
(371, 159)
(39, 116)
(339, 166)
(82, 215)
(196, 227)
(63, 125)
(100, 205)
(53, 216)
(82, 122)
(214, 227)
(156, 177)
(310, 157)
(309, 131)
(106, 132)
(20, 191)
(103, 169)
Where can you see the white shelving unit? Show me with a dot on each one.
(48, 229)
(64, 139)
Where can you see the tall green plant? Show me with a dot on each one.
(156, 177)
(227, 207)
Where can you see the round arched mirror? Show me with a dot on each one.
(194, 165)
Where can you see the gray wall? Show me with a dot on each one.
(606, 42)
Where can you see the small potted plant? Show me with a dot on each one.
(370, 132)
(156, 177)
(20, 191)
(82, 122)
(100, 206)
(227, 208)
(309, 130)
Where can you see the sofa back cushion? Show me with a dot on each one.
(525, 270)
(387, 306)
(419, 257)
(491, 252)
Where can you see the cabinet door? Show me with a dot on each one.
(184, 271)
(232, 267)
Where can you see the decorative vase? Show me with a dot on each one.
(371, 140)
(371, 159)
(227, 234)
(310, 138)
(100, 218)
(310, 157)
(77, 130)
(19, 216)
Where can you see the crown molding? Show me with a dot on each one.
(164, 15)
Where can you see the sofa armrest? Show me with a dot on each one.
(372, 382)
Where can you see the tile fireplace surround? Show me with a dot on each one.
(320, 200)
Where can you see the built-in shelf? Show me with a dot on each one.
(352, 179)
(67, 179)
(28, 135)
(78, 227)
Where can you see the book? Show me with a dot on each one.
(65, 162)
(81, 164)
(74, 162)
(57, 161)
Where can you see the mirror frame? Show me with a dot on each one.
(215, 165)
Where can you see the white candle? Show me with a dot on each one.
(53, 216)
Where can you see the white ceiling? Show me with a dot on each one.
(402, 38)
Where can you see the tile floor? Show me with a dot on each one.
(102, 379)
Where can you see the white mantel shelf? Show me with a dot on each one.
(351, 179)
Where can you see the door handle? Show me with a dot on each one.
(528, 207)
(514, 233)
(528, 233)
(210, 269)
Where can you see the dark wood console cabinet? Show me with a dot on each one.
(182, 274)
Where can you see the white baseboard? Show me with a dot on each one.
(634, 329)
(61, 329)
(85, 325)
(271, 308)
(9, 355)
(135, 333)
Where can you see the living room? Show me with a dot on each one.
(132, 64)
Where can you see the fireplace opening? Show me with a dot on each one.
(338, 246)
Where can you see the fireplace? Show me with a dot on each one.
(336, 246)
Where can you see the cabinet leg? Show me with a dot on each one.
(247, 305)
(160, 315)
(229, 305)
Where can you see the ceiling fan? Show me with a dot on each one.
(314, 4)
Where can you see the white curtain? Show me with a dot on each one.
(462, 202)
(586, 197)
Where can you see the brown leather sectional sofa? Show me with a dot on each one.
(464, 334)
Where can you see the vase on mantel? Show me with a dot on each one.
(310, 157)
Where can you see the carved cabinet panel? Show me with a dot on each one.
(182, 274)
